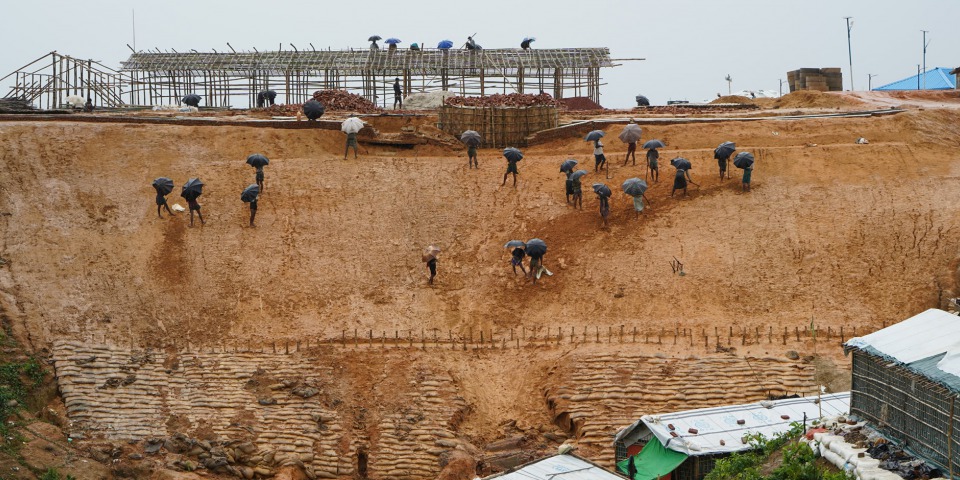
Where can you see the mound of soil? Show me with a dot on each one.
(579, 104)
(815, 99)
(342, 100)
(733, 99)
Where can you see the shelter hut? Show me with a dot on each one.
(566, 467)
(686, 445)
(906, 379)
(938, 78)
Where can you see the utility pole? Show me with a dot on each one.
(924, 57)
(781, 87)
(918, 76)
(849, 49)
(729, 80)
(870, 80)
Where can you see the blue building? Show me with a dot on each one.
(939, 78)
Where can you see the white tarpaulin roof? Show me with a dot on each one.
(559, 467)
(718, 430)
(921, 336)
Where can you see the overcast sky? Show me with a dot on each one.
(689, 46)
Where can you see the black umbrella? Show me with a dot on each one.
(374, 38)
(653, 144)
(643, 101)
(257, 160)
(515, 244)
(471, 138)
(193, 100)
(512, 154)
(525, 44)
(313, 109)
(634, 187)
(724, 150)
(743, 160)
(192, 189)
(568, 165)
(594, 135)
(681, 163)
(602, 190)
(579, 173)
(163, 185)
(250, 193)
(536, 247)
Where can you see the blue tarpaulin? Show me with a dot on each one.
(936, 79)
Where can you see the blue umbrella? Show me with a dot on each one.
(579, 173)
(445, 44)
(525, 44)
(602, 190)
(743, 160)
(512, 154)
(653, 144)
(634, 187)
(724, 150)
(681, 163)
(567, 165)
(594, 135)
(391, 41)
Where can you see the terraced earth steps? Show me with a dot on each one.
(295, 409)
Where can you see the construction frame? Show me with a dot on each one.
(233, 79)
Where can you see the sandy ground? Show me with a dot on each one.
(834, 232)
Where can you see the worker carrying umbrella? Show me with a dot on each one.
(473, 140)
(351, 126)
(258, 161)
(577, 188)
(682, 176)
(598, 156)
(631, 135)
(603, 194)
(722, 154)
(163, 186)
(566, 168)
(250, 195)
(313, 110)
(536, 249)
(744, 160)
(513, 155)
(636, 188)
(190, 192)
(653, 156)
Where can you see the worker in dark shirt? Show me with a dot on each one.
(397, 94)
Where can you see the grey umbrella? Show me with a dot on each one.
(594, 135)
(163, 185)
(374, 38)
(602, 190)
(568, 165)
(250, 193)
(193, 100)
(536, 247)
(634, 187)
(257, 160)
(653, 144)
(743, 160)
(631, 133)
(515, 244)
(642, 101)
(724, 150)
(579, 173)
(681, 163)
(192, 189)
(471, 138)
(313, 109)
(512, 154)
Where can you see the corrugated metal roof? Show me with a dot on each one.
(559, 467)
(718, 429)
(927, 343)
(937, 79)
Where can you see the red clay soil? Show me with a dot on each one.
(580, 103)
